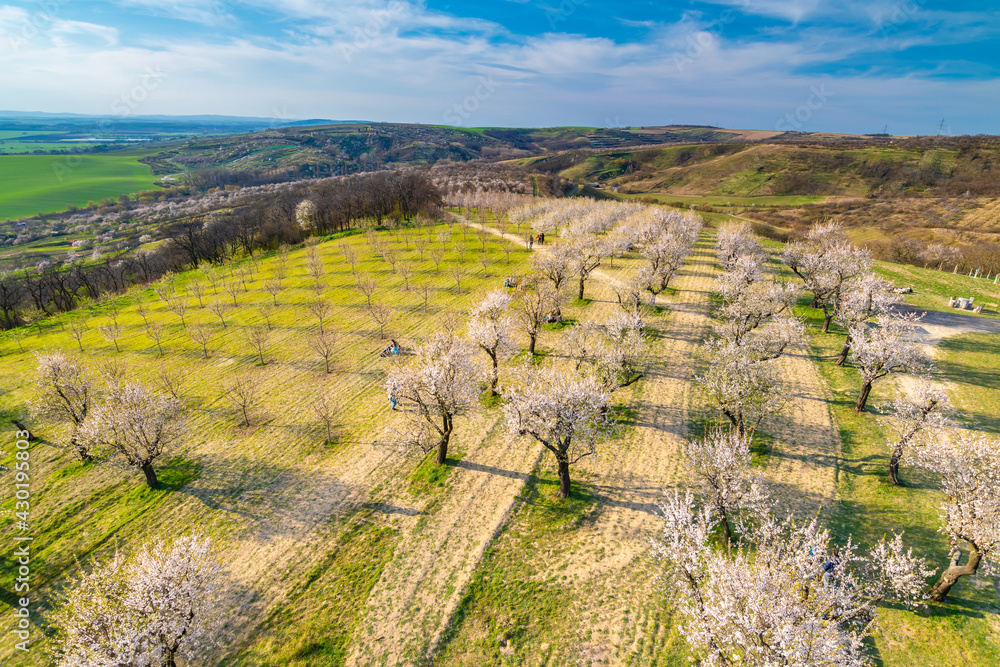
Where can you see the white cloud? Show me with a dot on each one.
(415, 64)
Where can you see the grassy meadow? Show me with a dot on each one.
(347, 551)
(35, 184)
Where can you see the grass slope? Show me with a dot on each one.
(46, 183)
(256, 491)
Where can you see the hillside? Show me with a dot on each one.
(898, 195)
(347, 550)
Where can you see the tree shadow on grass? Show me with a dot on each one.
(275, 501)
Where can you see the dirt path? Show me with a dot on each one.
(611, 585)
(440, 547)
(802, 464)
(935, 325)
(420, 588)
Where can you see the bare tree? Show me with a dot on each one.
(458, 272)
(280, 268)
(405, 271)
(266, 311)
(382, 315)
(111, 331)
(232, 288)
(391, 256)
(563, 411)
(425, 292)
(969, 468)
(219, 307)
(179, 307)
(350, 255)
(78, 329)
(157, 607)
(64, 392)
(484, 261)
(155, 333)
(323, 343)
(133, 427)
(258, 338)
(165, 288)
(879, 351)
(243, 392)
(441, 384)
(202, 335)
(320, 309)
(34, 316)
(18, 334)
(273, 287)
(722, 461)
(171, 381)
(367, 286)
(199, 291)
(326, 413)
(213, 277)
(316, 269)
(140, 307)
(420, 243)
(436, 255)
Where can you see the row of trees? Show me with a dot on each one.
(564, 409)
(783, 593)
(258, 225)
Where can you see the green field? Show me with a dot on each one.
(348, 551)
(35, 184)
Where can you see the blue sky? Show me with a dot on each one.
(809, 65)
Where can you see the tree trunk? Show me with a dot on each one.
(21, 427)
(531, 343)
(736, 422)
(827, 316)
(952, 574)
(863, 398)
(897, 453)
(81, 451)
(442, 452)
(580, 293)
(563, 478)
(151, 481)
(844, 352)
(495, 375)
(727, 532)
